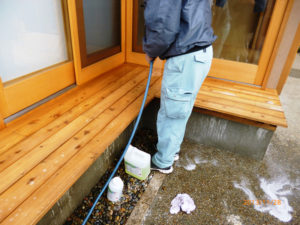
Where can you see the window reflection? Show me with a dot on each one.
(241, 27)
(102, 22)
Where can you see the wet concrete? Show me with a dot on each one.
(231, 189)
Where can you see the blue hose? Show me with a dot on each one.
(126, 148)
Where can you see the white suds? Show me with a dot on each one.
(234, 220)
(226, 93)
(191, 159)
(274, 190)
(190, 167)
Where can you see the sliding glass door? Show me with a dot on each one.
(99, 22)
(98, 36)
(246, 31)
(35, 46)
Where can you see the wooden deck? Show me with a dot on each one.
(44, 152)
(248, 104)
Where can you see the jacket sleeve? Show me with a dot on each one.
(162, 24)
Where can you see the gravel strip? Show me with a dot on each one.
(105, 211)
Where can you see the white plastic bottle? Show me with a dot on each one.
(115, 189)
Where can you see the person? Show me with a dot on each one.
(179, 31)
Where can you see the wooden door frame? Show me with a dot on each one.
(224, 69)
(2, 105)
(292, 54)
(274, 28)
(131, 56)
(84, 74)
(89, 59)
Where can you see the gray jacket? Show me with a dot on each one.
(173, 27)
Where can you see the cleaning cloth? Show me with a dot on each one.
(183, 202)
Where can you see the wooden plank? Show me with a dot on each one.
(66, 101)
(252, 90)
(230, 106)
(243, 90)
(12, 173)
(41, 200)
(9, 140)
(237, 107)
(240, 88)
(48, 112)
(31, 159)
(240, 112)
(235, 119)
(23, 147)
(36, 176)
(252, 99)
(234, 98)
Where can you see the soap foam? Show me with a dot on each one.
(274, 190)
(191, 159)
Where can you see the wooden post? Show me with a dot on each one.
(2, 106)
(278, 42)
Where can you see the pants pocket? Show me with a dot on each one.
(202, 57)
(174, 64)
(177, 103)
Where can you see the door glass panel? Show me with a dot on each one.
(32, 38)
(241, 27)
(102, 23)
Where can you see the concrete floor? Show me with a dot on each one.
(221, 182)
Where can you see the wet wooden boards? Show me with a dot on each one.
(60, 140)
(241, 103)
(44, 152)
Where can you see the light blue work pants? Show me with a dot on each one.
(182, 79)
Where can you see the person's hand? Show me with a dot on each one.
(149, 59)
